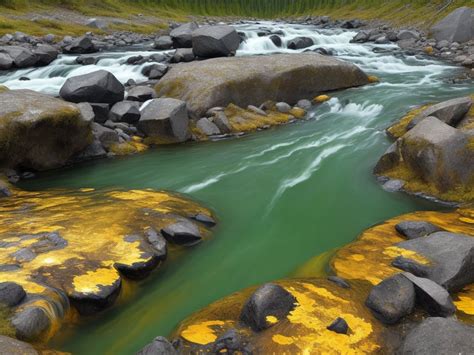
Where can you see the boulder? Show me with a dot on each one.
(182, 35)
(339, 326)
(87, 111)
(304, 104)
(361, 37)
(450, 112)
(95, 150)
(166, 119)
(80, 45)
(106, 136)
(410, 266)
(163, 43)
(431, 296)
(11, 294)
(155, 71)
(300, 43)
(230, 342)
(416, 229)
(97, 23)
(205, 219)
(38, 131)
(270, 300)
(215, 41)
(439, 336)
(408, 34)
(276, 40)
(99, 87)
(458, 26)
(159, 346)
(283, 107)
(12, 346)
(182, 233)
(101, 111)
(31, 323)
(86, 60)
(452, 257)
(141, 94)
(45, 54)
(392, 299)
(22, 57)
(183, 55)
(207, 127)
(255, 79)
(158, 242)
(222, 122)
(6, 62)
(125, 111)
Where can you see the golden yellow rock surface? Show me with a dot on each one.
(303, 331)
(92, 236)
(369, 257)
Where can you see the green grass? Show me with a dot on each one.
(421, 13)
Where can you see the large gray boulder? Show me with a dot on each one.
(416, 229)
(45, 54)
(452, 257)
(12, 346)
(458, 26)
(300, 43)
(80, 45)
(163, 43)
(38, 131)
(182, 35)
(269, 300)
(215, 41)
(6, 62)
(165, 119)
(392, 299)
(439, 336)
(125, 111)
(31, 323)
(253, 80)
(450, 112)
(435, 153)
(431, 296)
(22, 57)
(99, 87)
(11, 294)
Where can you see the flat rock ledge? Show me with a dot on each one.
(52, 265)
(389, 293)
(246, 81)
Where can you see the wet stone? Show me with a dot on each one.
(416, 229)
(159, 346)
(339, 326)
(31, 323)
(11, 294)
(23, 255)
(183, 232)
(204, 219)
(410, 266)
(339, 281)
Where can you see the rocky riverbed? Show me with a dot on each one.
(69, 253)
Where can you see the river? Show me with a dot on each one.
(282, 196)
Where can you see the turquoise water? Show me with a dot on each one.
(281, 196)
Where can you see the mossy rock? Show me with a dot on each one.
(253, 80)
(38, 131)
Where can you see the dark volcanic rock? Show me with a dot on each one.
(31, 323)
(11, 293)
(92, 303)
(125, 111)
(183, 55)
(431, 296)
(157, 241)
(101, 111)
(276, 40)
(410, 266)
(165, 119)
(182, 233)
(204, 219)
(339, 326)
(81, 45)
(416, 229)
(155, 71)
(268, 300)
(141, 94)
(182, 35)
(99, 87)
(12, 346)
(392, 299)
(439, 336)
(452, 256)
(300, 43)
(215, 41)
(230, 342)
(45, 54)
(159, 346)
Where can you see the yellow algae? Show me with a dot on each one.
(282, 340)
(358, 257)
(89, 233)
(271, 319)
(394, 252)
(320, 291)
(315, 267)
(373, 79)
(322, 98)
(400, 127)
(464, 302)
(201, 333)
(297, 112)
(92, 281)
(428, 50)
(243, 120)
(127, 148)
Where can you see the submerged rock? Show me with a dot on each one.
(38, 131)
(339, 326)
(182, 233)
(267, 306)
(392, 299)
(99, 87)
(439, 336)
(253, 80)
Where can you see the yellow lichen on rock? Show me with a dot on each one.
(128, 148)
(303, 330)
(373, 79)
(3, 88)
(400, 127)
(79, 243)
(428, 50)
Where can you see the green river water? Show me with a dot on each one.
(281, 196)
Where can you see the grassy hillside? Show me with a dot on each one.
(14, 13)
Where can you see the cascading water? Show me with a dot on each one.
(282, 196)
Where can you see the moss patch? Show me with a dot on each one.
(400, 128)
